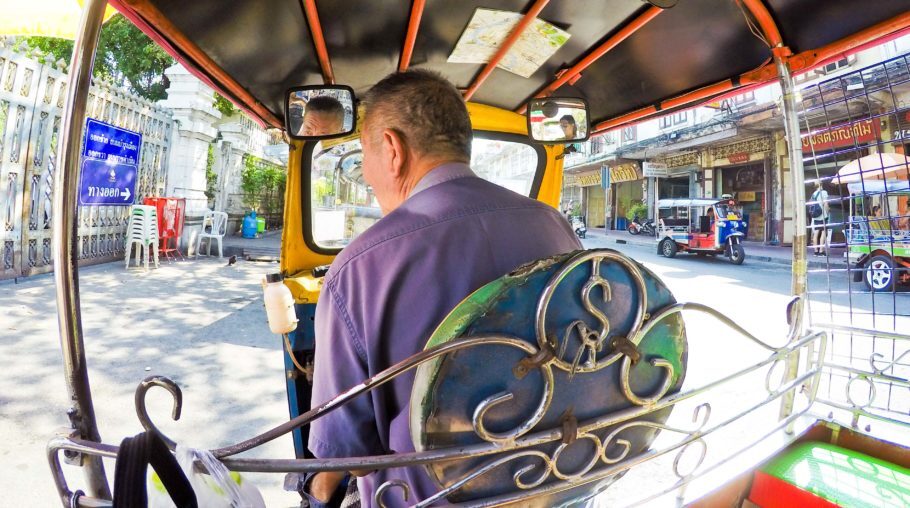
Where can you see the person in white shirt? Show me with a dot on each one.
(818, 215)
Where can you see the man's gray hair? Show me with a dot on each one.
(425, 109)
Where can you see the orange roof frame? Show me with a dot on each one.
(312, 17)
(407, 51)
(506, 45)
(145, 15)
(575, 71)
(799, 63)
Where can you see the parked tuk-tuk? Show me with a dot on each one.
(602, 376)
(701, 226)
(878, 245)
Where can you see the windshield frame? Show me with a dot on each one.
(306, 162)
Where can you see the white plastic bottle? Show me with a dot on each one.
(279, 305)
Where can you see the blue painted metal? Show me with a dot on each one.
(442, 408)
(110, 163)
(298, 388)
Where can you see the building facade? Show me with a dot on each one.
(737, 146)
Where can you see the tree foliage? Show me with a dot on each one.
(125, 56)
(262, 184)
(638, 209)
(211, 178)
(223, 105)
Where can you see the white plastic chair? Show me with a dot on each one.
(142, 231)
(214, 226)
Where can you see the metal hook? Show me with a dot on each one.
(142, 412)
(380, 492)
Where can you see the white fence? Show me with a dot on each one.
(32, 96)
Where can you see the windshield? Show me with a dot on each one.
(723, 210)
(343, 205)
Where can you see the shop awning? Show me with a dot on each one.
(874, 167)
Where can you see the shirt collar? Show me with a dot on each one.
(442, 173)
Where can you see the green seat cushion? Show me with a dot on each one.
(844, 477)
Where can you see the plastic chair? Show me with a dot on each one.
(142, 231)
(214, 226)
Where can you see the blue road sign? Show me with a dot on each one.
(110, 163)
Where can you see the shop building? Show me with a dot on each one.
(737, 146)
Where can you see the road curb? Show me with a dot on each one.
(778, 261)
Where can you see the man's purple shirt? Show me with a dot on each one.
(388, 290)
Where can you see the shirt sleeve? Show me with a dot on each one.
(340, 363)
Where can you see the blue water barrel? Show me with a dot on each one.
(250, 225)
(621, 223)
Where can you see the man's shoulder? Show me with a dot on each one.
(442, 207)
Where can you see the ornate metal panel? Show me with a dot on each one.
(856, 131)
(31, 104)
(18, 85)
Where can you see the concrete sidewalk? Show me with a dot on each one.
(755, 251)
(265, 248)
(200, 322)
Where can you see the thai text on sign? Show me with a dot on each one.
(588, 180)
(623, 173)
(863, 132)
(110, 164)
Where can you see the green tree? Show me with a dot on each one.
(263, 184)
(223, 105)
(125, 56)
(211, 178)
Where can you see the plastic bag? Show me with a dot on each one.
(220, 488)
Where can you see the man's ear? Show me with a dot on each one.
(395, 151)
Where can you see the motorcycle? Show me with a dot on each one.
(637, 227)
(578, 225)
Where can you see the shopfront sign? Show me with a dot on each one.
(655, 170)
(624, 172)
(859, 133)
(737, 158)
(588, 179)
(745, 196)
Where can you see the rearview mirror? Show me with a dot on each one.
(319, 112)
(558, 120)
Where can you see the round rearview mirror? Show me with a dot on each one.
(319, 112)
(558, 120)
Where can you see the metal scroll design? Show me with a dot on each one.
(549, 463)
(874, 394)
(519, 442)
(591, 342)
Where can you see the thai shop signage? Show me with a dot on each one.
(624, 172)
(656, 170)
(859, 133)
(588, 179)
(110, 163)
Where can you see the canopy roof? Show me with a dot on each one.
(669, 203)
(876, 165)
(879, 187)
(629, 59)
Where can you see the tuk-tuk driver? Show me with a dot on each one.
(323, 116)
(445, 233)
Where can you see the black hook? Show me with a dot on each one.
(142, 411)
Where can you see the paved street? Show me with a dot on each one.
(202, 323)
(199, 322)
